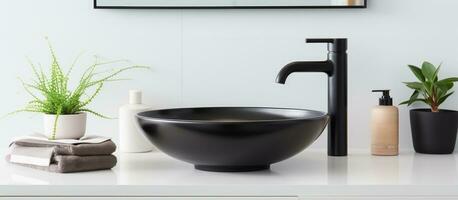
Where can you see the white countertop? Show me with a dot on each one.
(310, 173)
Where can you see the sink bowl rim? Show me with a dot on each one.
(319, 115)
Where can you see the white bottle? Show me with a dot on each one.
(131, 138)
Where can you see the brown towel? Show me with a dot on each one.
(62, 157)
(84, 149)
(71, 163)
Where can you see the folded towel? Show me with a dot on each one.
(40, 156)
(40, 138)
(87, 153)
(82, 149)
(71, 163)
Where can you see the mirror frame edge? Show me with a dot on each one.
(95, 6)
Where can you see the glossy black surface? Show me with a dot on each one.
(336, 69)
(232, 138)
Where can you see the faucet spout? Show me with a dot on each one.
(336, 69)
(304, 66)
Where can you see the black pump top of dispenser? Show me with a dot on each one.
(385, 100)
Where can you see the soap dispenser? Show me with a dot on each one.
(131, 138)
(385, 126)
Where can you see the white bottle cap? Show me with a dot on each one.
(135, 97)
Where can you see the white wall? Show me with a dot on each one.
(229, 57)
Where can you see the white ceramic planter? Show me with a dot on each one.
(68, 126)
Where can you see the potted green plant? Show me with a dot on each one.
(65, 110)
(434, 130)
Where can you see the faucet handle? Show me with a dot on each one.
(334, 44)
(319, 40)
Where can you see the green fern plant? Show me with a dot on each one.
(51, 93)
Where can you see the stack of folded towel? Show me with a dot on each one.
(63, 156)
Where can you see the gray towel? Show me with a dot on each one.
(71, 163)
(56, 156)
(104, 148)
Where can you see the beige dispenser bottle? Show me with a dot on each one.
(385, 126)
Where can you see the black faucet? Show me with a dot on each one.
(336, 69)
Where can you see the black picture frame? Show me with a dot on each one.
(229, 7)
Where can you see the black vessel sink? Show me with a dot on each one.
(232, 138)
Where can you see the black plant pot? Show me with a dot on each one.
(434, 132)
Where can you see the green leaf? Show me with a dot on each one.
(428, 86)
(414, 94)
(53, 136)
(440, 93)
(444, 87)
(414, 85)
(448, 80)
(417, 72)
(411, 101)
(413, 97)
(95, 113)
(442, 99)
(436, 73)
(404, 102)
(445, 84)
(428, 70)
(89, 100)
